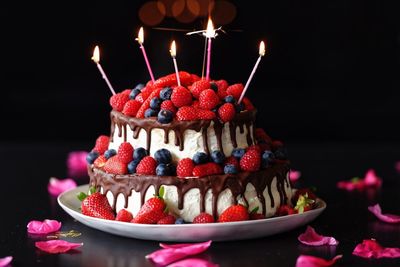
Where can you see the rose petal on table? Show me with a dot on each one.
(193, 263)
(5, 261)
(57, 186)
(172, 253)
(311, 238)
(397, 166)
(57, 246)
(389, 218)
(371, 179)
(294, 175)
(312, 261)
(369, 248)
(76, 163)
(45, 227)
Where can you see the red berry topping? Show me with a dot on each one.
(181, 97)
(250, 161)
(194, 77)
(146, 103)
(285, 210)
(147, 166)
(203, 114)
(118, 101)
(126, 92)
(115, 166)
(144, 94)
(124, 216)
(168, 219)
(261, 135)
(168, 105)
(222, 86)
(151, 212)
(101, 144)
(96, 205)
(100, 162)
(131, 108)
(198, 87)
(233, 161)
(256, 216)
(206, 169)
(203, 218)
(254, 147)
(186, 114)
(185, 168)
(208, 99)
(125, 152)
(227, 112)
(247, 104)
(234, 213)
(235, 90)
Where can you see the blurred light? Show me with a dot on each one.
(178, 8)
(150, 13)
(193, 6)
(224, 12)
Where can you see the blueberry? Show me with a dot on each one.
(166, 93)
(109, 153)
(155, 103)
(229, 99)
(179, 221)
(134, 93)
(238, 152)
(200, 158)
(165, 116)
(163, 156)
(132, 165)
(281, 153)
(230, 169)
(163, 169)
(150, 113)
(239, 107)
(139, 153)
(218, 157)
(214, 86)
(139, 86)
(267, 158)
(92, 156)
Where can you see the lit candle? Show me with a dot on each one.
(261, 53)
(140, 40)
(210, 33)
(173, 55)
(96, 59)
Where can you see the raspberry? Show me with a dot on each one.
(205, 114)
(196, 104)
(234, 213)
(168, 219)
(146, 103)
(100, 162)
(186, 114)
(131, 108)
(247, 104)
(126, 92)
(101, 144)
(125, 152)
(261, 135)
(254, 147)
(222, 86)
(124, 216)
(198, 87)
(185, 168)
(226, 112)
(250, 161)
(115, 166)
(235, 90)
(194, 77)
(181, 97)
(118, 101)
(168, 105)
(147, 166)
(233, 161)
(203, 218)
(206, 169)
(208, 99)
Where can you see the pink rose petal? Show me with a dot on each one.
(371, 180)
(369, 248)
(172, 253)
(311, 238)
(389, 218)
(312, 261)
(76, 164)
(193, 263)
(57, 186)
(397, 166)
(5, 261)
(294, 175)
(45, 227)
(57, 246)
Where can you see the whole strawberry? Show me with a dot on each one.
(234, 213)
(168, 219)
(251, 161)
(203, 218)
(151, 212)
(206, 169)
(115, 166)
(96, 205)
(124, 216)
(186, 114)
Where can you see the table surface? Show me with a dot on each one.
(26, 168)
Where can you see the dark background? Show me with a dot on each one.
(331, 72)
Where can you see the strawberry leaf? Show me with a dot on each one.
(81, 196)
(253, 211)
(92, 190)
(161, 192)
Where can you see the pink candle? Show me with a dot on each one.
(173, 55)
(96, 59)
(210, 33)
(140, 40)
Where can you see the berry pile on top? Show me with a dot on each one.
(195, 99)
(128, 159)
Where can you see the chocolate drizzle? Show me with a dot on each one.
(237, 184)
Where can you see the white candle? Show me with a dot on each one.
(261, 53)
(96, 59)
(173, 55)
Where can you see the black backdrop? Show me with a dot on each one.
(331, 72)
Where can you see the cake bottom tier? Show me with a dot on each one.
(266, 189)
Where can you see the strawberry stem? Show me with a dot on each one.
(81, 196)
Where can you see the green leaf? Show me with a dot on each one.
(92, 190)
(161, 192)
(81, 196)
(355, 179)
(253, 211)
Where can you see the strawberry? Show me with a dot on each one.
(203, 114)
(96, 205)
(125, 152)
(251, 161)
(194, 78)
(285, 210)
(261, 135)
(256, 216)
(151, 211)
(170, 79)
(222, 86)
(115, 166)
(203, 218)
(168, 105)
(124, 216)
(302, 191)
(168, 219)
(146, 103)
(304, 203)
(226, 112)
(185, 168)
(181, 97)
(118, 101)
(144, 94)
(235, 90)
(131, 108)
(247, 104)
(147, 166)
(206, 169)
(100, 162)
(126, 92)
(208, 99)
(186, 114)
(101, 144)
(198, 87)
(232, 160)
(234, 213)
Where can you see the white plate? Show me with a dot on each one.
(188, 232)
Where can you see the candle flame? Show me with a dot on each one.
(173, 49)
(210, 32)
(262, 49)
(140, 37)
(96, 54)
